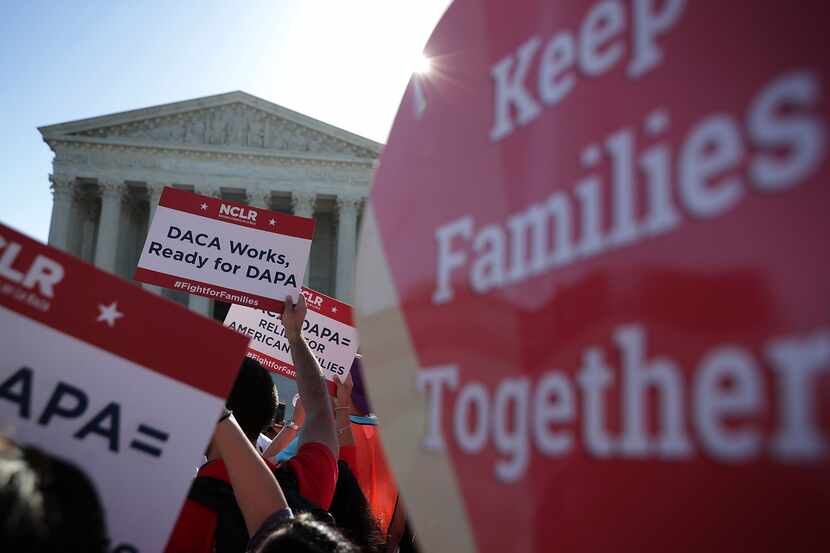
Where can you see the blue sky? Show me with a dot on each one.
(344, 62)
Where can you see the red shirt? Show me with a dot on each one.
(314, 466)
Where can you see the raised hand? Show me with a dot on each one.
(293, 315)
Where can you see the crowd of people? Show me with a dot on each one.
(317, 485)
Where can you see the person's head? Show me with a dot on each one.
(253, 398)
(47, 504)
(306, 534)
(352, 513)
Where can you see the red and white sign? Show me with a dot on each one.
(225, 250)
(593, 287)
(328, 330)
(122, 383)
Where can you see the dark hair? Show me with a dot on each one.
(352, 513)
(47, 504)
(253, 398)
(306, 534)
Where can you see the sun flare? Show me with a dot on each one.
(422, 64)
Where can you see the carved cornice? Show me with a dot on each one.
(277, 158)
(232, 125)
(208, 120)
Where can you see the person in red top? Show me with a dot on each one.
(253, 402)
(263, 506)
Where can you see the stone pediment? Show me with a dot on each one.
(228, 122)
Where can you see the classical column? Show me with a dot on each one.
(347, 207)
(154, 190)
(89, 215)
(303, 206)
(108, 225)
(303, 203)
(63, 190)
(200, 304)
(259, 198)
(76, 233)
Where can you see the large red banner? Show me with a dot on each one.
(595, 258)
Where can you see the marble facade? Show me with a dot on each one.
(108, 173)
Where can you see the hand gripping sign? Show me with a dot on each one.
(120, 382)
(225, 250)
(328, 330)
(612, 332)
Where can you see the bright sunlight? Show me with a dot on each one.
(422, 64)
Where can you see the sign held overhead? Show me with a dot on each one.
(96, 371)
(225, 251)
(328, 328)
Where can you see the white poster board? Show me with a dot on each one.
(225, 250)
(118, 381)
(328, 329)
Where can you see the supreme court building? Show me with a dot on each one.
(108, 173)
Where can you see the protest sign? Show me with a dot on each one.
(225, 250)
(328, 329)
(126, 385)
(593, 281)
